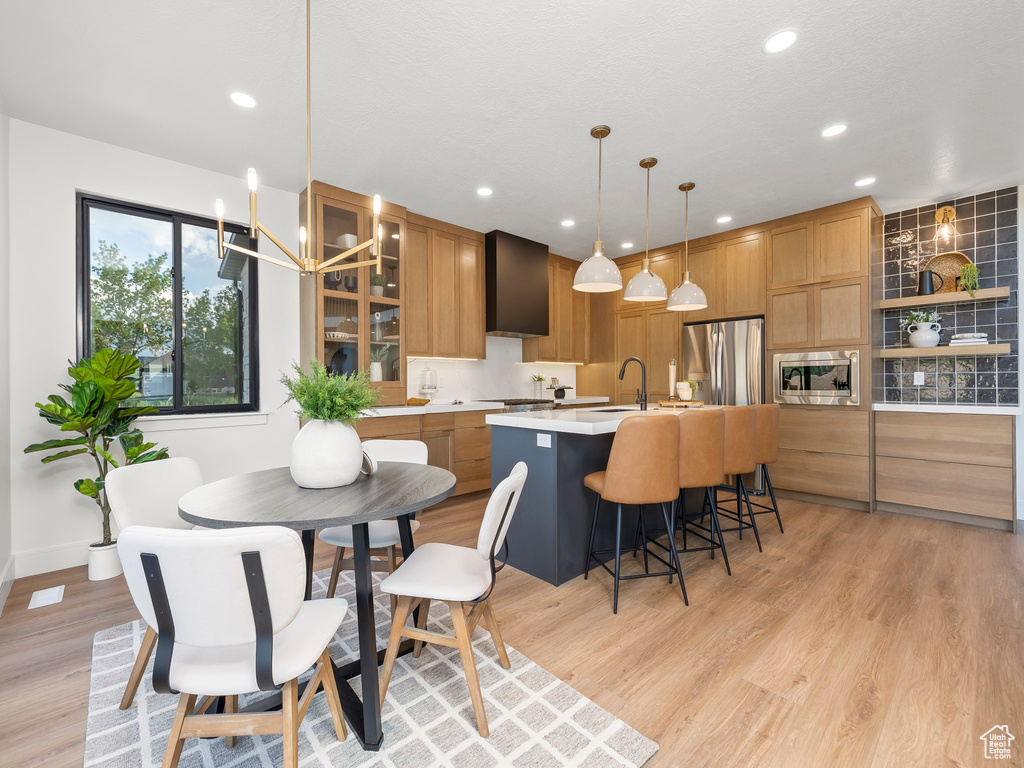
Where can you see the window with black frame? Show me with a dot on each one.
(151, 284)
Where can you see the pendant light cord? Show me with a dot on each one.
(647, 224)
(600, 158)
(686, 234)
(309, 151)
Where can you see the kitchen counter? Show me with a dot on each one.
(472, 405)
(579, 421)
(991, 410)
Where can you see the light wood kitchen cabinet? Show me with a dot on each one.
(471, 298)
(566, 341)
(444, 291)
(841, 313)
(630, 341)
(664, 343)
(741, 279)
(790, 318)
(824, 452)
(417, 299)
(790, 255)
(842, 246)
(704, 273)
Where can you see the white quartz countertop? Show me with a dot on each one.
(581, 401)
(472, 405)
(998, 410)
(579, 421)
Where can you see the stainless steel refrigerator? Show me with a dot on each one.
(726, 360)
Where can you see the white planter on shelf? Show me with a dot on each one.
(924, 334)
(326, 454)
(376, 290)
(376, 372)
(104, 562)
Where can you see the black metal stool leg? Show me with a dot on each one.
(618, 556)
(643, 538)
(706, 503)
(593, 531)
(721, 539)
(673, 556)
(636, 535)
(672, 529)
(771, 492)
(750, 512)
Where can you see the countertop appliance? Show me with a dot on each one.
(817, 378)
(726, 360)
(520, 404)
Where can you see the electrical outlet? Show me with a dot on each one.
(918, 378)
(543, 440)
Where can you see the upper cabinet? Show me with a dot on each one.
(791, 255)
(842, 246)
(444, 290)
(741, 277)
(704, 273)
(568, 318)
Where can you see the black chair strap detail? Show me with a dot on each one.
(494, 550)
(261, 619)
(164, 623)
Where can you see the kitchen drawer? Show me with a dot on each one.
(472, 419)
(435, 422)
(472, 475)
(953, 487)
(837, 429)
(961, 438)
(389, 426)
(472, 444)
(841, 476)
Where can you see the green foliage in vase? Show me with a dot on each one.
(537, 377)
(969, 278)
(376, 279)
(919, 317)
(98, 417)
(325, 396)
(380, 354)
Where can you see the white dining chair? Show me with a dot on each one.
(229, 610)
(147, 494)
(463, 577)
(384, 534)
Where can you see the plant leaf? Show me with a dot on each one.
(87, 487)
(57, 443)
(108, 456)
(64, 455)
(86, 396)
(151, 456)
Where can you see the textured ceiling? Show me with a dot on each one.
(424, 102)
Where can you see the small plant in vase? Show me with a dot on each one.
(538, 385)
(327, 453)
(923, 327)
(968, 280)
(377, 283)
(378, 356)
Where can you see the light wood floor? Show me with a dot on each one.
(853, 640)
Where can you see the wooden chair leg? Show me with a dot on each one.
(492, 627)
(469, 666)
(186, 703)
(290, 723)
(332, 585)
(145, 651)
(333, 699)
(392, 567)
(395, 639)
(417, 645)
(230, 708)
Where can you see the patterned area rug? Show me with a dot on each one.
(535, 719)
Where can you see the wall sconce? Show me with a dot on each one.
(944, 218)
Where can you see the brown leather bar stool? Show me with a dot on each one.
(702, 465)
(643, 468)
(740, 459)
(766, 451)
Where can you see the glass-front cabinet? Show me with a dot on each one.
(351, 319)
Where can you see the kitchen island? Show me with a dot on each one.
(550, 532)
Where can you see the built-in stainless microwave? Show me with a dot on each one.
(817, 378)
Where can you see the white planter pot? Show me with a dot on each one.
(326, 454)
(376, 372)
(104, 562)
(376, 290)
(538, 390)
(924, 335)
(684, 391)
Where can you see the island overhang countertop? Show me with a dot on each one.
(579, 421)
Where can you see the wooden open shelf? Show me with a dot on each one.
(958, 297)
(947, 351)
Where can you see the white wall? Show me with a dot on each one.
(500, 375)
(51, 522)
(6, 560)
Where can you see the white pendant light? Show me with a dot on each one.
(645, 285)
(687, 296)
(598, 274)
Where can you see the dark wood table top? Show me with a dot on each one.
(271, 497)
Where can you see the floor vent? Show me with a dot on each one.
(43, 597)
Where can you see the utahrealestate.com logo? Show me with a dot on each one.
(997, 742)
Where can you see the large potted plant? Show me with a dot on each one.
(327, 453)
(99, 415)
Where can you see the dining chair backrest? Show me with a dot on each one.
(643, 465)
(701, 448)
(147, 494)
(508, 490)
(407, 451)
(207, 580)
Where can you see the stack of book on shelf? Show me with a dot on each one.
(968, 339)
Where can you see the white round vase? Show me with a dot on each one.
(924, 334)
(104, 562)
(326, 454)
(376, 372)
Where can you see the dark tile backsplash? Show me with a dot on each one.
(987, 233)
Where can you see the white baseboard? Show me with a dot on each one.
(6, 581)
(53, 558)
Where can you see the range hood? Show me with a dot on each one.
(517, 286)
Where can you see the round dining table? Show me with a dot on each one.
(270, 497)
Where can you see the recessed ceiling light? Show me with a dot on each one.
(243, 99)
(834, 130)
(724, 219)
(627, 245)
(864, 182)
(780, 41)
(567, 222)
(485, 191)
